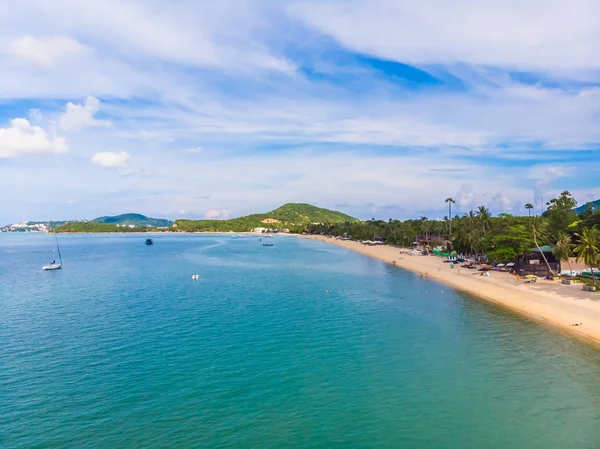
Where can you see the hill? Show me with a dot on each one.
(293, 216)
(135, 220)
(93, 226)
(583, 207)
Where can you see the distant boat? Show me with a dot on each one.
(267, 244)
(54, 265)
(149, 242)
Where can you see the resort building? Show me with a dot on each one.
(532, 262)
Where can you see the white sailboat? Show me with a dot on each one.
(54, 265)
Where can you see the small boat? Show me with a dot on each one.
(195, 277)
(149, 242)
(54, 265)
(267, 244)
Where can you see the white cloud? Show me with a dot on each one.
(22, 138)
(107, 159)
(78, 116)
(194, 150)
(46, 51)
(546, 179)
(506, 34)
(35, 114)
(217, 214)
(466, 197)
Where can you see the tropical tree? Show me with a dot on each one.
(450, 201)
(561, 212)
(538, 229)
(563, 250)
(483, 214)
(588, 248)
(425, 226)
(529, 206)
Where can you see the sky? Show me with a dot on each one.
(377, 108)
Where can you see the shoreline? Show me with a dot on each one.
(547, 302)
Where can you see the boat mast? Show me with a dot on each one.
(57, 247)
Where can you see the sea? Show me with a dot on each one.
(302, 344)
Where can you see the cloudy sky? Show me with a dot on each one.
(374, 107)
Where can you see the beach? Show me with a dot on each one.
(549, 301)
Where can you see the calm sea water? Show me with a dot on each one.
(122, 349)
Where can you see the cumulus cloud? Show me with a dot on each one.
(217, 214)
(542, 186)
(78, 116)
(45, 51)
(466, 197)
(108, 159)
(22, 138)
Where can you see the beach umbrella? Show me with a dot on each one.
(500, 265)
(510, 264)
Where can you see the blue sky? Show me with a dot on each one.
(378, 108)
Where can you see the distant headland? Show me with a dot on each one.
(291, 217)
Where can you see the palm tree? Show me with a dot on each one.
(425, 224)
(484, 218)
(563, 250)
(589, 248)
(529, 206)
(538, 228)
(471, 234)
(450, 201)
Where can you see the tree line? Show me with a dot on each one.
(503, 238)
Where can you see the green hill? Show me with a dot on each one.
(293, 216)
(135, 220)
(93, 226)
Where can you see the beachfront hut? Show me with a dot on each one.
(532, 262)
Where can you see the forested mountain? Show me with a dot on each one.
(135, 220)
(594, 205)
(293, 216)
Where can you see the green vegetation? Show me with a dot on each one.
(502, 238)
(134, 219)
(92, 226)
(588, 249)
(292, 216)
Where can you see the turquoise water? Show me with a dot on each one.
(122, 349)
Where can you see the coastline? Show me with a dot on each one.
(548, 302)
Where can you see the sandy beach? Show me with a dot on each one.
(548, 301)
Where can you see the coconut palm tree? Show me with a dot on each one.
(538, 228)
(529, 206)
(563, 250)
(483, 214)
(425, 224)
(450, 201)
(588, 248)
(471, 231)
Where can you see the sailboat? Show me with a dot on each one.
(54, 265)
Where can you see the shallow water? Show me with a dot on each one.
(122, 349)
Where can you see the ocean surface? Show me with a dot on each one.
(302, 344)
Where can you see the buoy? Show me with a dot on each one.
(195, 277)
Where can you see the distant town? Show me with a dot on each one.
(32, 226)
